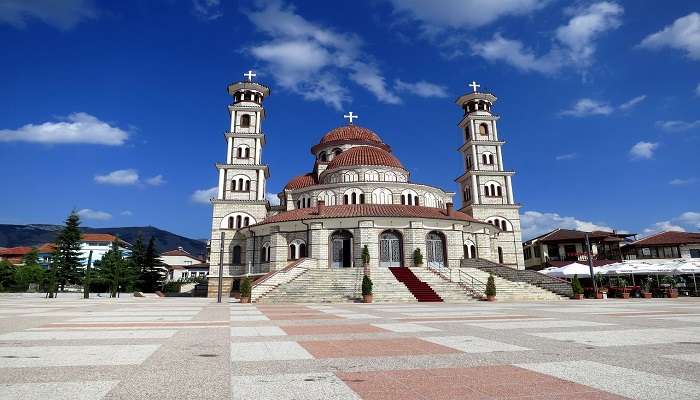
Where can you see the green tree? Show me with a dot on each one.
(245, 288)
(31, 258)
(576, 285)
(66, 257)
(28, 274)
(365, 255)
(6, 274)
(137, 260)
(153, 272)
(366, 286)
(115, 271)
(490, 286)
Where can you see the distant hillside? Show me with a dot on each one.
(36, 234)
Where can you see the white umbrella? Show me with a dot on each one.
(681, 267)
(572, 269)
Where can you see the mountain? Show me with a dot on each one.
(36, 234)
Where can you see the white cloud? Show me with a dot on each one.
(87, 213)
(77, 128)
(643, 150)
(64, 14)
(677, 126)
(664, 226)
(585, 107)
(632, 102)
(126, 213)
(682, 182)
(119, 177)
(535, 223)
(689, 220)
(569, 156)
(683, 34)
(272, 198)
(204, 195)
(697, 90)
(574, 44)
(421, 88)
(313, 61)
(156, 180)
(463, 13)
(207, 10)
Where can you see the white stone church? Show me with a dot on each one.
(358, 194)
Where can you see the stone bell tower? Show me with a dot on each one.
(486, 186)
(240, 199)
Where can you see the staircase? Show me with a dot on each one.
(385, 288)
(558, 286)
(449, 291)
(420, 290)
(267, 283)
(318, 286)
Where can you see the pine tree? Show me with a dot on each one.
(6, 274)
(31, 258)
(66, 257)
(115, 271)
(137, 261)
(153, 272)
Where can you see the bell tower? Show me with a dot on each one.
(486, 186)
(240, 199)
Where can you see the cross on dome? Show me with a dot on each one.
(350, 116)
(474, 86)
(250, 75)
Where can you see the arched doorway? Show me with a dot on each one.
(500, 255)
(435, 245)
(341, 249)
(390, 249)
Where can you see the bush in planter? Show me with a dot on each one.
(491, 287)
(245, 287)
(417, 257)
(365, 255)
(366, 286)
(576, 286)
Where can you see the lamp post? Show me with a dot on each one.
(590, 264)
(221, 269)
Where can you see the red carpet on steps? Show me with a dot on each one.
(419, 289)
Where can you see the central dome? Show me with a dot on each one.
(351, 132)
(364, 155)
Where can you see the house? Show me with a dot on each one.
(16, 254)
(181, 264)
(99, 244)
(564, 246)
(664, 245)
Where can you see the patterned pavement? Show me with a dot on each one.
(194, 348)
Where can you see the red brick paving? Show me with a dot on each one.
(373, 348)
(330, 329)
(475, 383)
(279, 317)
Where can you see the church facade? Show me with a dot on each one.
(358, 194)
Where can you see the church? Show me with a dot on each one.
(356, 194)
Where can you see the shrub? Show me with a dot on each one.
(576, 285)
(417, 257)
(365, 255)
(245, 287)
(366, 286)
(491, 286)
(172, 287)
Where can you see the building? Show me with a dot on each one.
(358, 194)
(99, 244)
(16, 254)
(564, 246)
(663, 246)
(182, 265)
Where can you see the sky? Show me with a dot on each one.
(118, 109)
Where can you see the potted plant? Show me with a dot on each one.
(366, 289)
(490, 289)
(672, 291)
(577, 288)
(365, 260)
(417, 258)
(622, 283)
(245, 290)
(646, 287)
(600, 283)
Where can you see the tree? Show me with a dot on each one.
(31, 258)
(66, 257)
(137, 260)
(366, 286)
(6, 274)
(28, 274)
(490, 286)
(576, 285)
(114, 270)
(153, 272)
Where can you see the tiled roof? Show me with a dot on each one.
(177, 252)
(15, 251)
(350, 133)
(571, 234)
(301, 181)
(364, 155)
(668, 238)
(367, 210)
(98, 237)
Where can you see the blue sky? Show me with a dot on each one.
(118, 109)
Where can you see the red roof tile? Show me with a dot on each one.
(350, 133)
(367, 210)
(668, 238)
(364, 155)
(301, 181)
(15, 251)
(98, 237)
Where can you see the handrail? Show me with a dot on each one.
(469, 283)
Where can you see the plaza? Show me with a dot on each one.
(139, 348)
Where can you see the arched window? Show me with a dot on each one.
(469, 249)
(246, 221)
(265, 253)
(297, 249)
(484, 159)
(302, 250)
(491, 162)
(469, 162)
(236, 256)
(504, 226)
(435, 249)
(349, 176)
(245, 121)
(390, 249)
(473, 251)
(337, 151)
(239, 221)
(487, 191)
(354, 196)
(499, 191)
(328, 197)
(240, 183)
(239, 152)
(409, 197)
(500, 255)
(292, 252)
(382, 196)
(323, 156)
(246, 154)
(430, 200)
(467, 193)
(230, 223)
(371, 176)
(247, 185)
(390, 176)
(483, 129)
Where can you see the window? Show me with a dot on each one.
(467, 193)
(236, 258)
(382, 196)
(491, 162)
(349, 176)
(390, 177)
(694, 253)
(323, 156)
(230, 223)
(430, 200)
(409, 197)
(484, 159)
(537, 251)
(483, 129)
(188, 263)
(371, 176)
(245, 121)
(500, 255)
(328, 197)
(354, 196)
(469, 162)
(337, 151)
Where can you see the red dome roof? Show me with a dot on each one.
(301, 181)
(350, 132)
(364, 155)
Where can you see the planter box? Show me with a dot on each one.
(625, 295)
(366, 298)
(578, 297)
(245, 299)
(647, 295)
(490, 298)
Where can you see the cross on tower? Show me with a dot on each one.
(474, 86)
(350, 116)
(250, 75)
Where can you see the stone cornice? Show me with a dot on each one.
(260, 136)
(483, 173)
(245, 167)
(481, 143)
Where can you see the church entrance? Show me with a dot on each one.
(389, 249)
(435, 245)
(341, 249)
